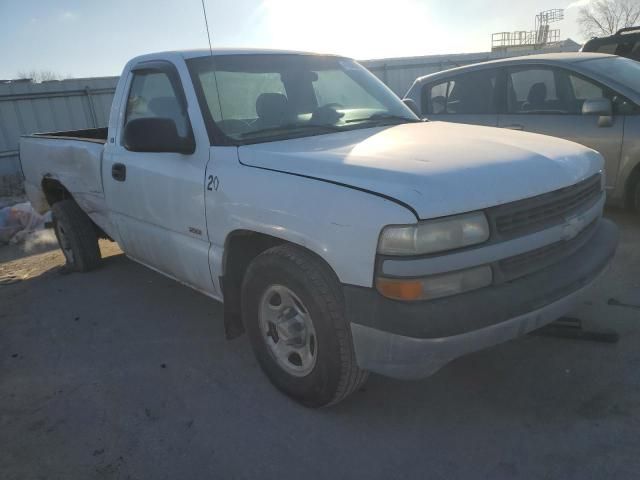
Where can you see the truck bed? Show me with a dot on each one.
(96, 135)
(71, 160)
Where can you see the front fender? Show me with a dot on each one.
(339, 224)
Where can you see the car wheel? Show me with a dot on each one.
(293, 311)
(76, 236)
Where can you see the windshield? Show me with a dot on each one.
(619, 69)
(258, 98)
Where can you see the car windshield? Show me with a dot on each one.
(619, 69)
(259, 98)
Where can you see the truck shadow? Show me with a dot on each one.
(118, 326)
(126, 305)
(125, 353)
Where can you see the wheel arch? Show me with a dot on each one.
(54, 191)
(241, 247)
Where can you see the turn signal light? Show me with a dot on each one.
(435, 286)
(407, 290)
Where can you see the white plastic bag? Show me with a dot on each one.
(18, 221)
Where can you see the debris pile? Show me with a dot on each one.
(19, 221)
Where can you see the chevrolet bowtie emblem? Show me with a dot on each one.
(573, 227)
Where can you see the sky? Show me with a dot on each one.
(87, 38)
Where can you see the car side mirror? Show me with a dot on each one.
(413, 106)
(159, 135)
(602, 107)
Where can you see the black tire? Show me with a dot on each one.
(76, 236)
(335, 374)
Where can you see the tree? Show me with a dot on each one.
(605, 17)
(39, 76)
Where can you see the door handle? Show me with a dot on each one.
(514, 127)
(119, 172)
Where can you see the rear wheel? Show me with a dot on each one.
(76, 236)
(293, 310)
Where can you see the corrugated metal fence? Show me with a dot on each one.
(27, 107)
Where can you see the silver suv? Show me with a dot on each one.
(592, 99)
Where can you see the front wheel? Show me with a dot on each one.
(293, 311)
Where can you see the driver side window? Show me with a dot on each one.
(152, 96)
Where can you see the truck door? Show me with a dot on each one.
(154, 182)
(547, 100)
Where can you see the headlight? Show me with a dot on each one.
(434, 236)
(435, 286)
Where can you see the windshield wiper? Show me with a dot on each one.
(292, 128)
(383, 117)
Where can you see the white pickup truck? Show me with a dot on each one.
(344, 235)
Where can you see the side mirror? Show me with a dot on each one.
(602, 107)
(409, 102)
(158, 135)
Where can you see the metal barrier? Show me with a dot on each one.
(27, 107)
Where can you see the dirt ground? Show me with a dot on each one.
(124, 374)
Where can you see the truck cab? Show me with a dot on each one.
(342, 233)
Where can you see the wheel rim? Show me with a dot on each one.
(287, 330)
(65, 244)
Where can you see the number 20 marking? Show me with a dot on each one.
(212, 183)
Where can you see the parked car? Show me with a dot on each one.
(344, 234)
(592, 99)
(625, 43)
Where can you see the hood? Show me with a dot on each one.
(436, 168)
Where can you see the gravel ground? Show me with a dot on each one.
(122, 373)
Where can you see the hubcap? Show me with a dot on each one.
(65, 244)
(288, 330)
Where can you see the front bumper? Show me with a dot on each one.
(414, 340)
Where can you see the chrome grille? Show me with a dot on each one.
(537, 213)
(530, 262)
